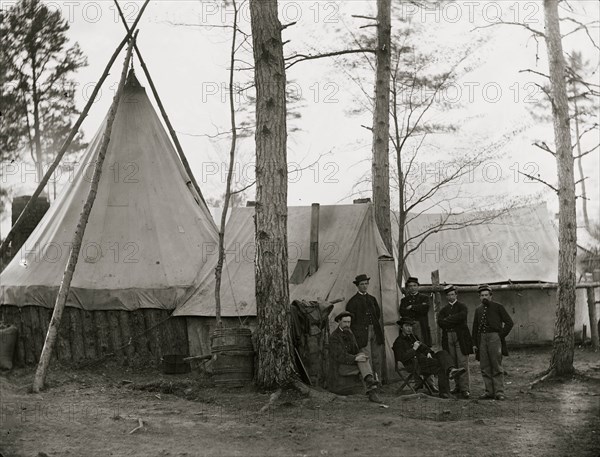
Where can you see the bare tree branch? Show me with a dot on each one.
(544, 147)
(296, 58)
(536, 33)
(539, 180)
(582, 26)
(583, 154)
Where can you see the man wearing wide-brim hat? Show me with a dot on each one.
(416, 356)
(416, 306)
(366, 323)
(346, 360)
(491, 325)
(456, 337)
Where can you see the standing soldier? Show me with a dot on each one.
(456, 338)
(416, 306)
(491, 325)
(366, 324)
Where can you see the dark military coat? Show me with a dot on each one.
(454, 318)
(366, 311)
(419, 312)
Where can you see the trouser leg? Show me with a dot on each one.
(463, 383)
(438, 366)
(374, 351)
(495, 355)
(485, 362)
(364, 368)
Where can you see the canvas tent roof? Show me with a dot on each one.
(519, 246)
(349, 244)
(147, 228)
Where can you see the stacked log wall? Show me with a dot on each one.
(86, 336)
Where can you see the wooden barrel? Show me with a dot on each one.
(233, 356)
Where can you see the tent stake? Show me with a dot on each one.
(67, 143)
(63, 292)
(163, 112)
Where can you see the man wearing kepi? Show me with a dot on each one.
(415, 306)
(456, 338)
(417, 356)
(346, 358)
(491, 325)
(366, 324)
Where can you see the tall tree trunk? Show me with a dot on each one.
(275, 365)
(36, 121)
(563, 345)
(586, 219)
(381, 125)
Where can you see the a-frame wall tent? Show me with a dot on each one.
(349, 245)
(142, 247)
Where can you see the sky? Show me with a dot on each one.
(186, 48)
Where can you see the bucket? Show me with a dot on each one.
(174, 364)
(233, 356)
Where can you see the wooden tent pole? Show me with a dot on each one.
(163, 112)
(67, 143)
(65, 285)
(437, 306)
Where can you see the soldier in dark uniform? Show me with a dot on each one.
(456, 338)
(491, 325)
(408, 350)
(347, 360)
(416, 306)
(366, 324)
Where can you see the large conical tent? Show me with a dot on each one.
(148, 227)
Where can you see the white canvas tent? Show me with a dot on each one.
(349, 244)
(141, 251)
(520, 246)
(143, 242)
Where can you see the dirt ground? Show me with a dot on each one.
(92, 412)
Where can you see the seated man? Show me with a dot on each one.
(346, 360)
(407, 348)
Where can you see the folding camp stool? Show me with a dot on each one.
(411, 378)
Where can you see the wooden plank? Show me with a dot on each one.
(76, 331)
(114, 333)
(163, 332)
(153, 335)
(18, 319)
(63, 341)
(45, 315)
(314, 238)
(126, 334)
(89, 335)
(437, 306)
(36, 331)
(140, 340)
(169, 334)
(591, 302)
(180, 327)
(103, 342)
(28, 336)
